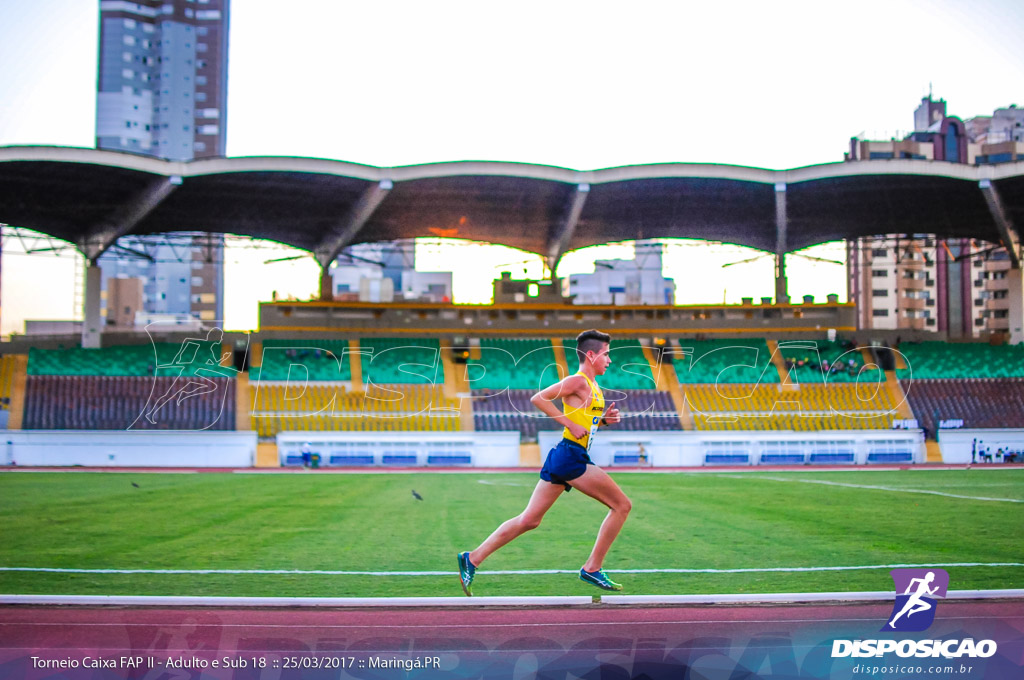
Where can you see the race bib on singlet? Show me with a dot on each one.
(594, 425)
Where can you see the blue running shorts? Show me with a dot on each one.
(567, 461)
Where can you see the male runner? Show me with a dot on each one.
(568, 465)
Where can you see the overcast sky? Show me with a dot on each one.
(580, 85)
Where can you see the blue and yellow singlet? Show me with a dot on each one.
(588, 417)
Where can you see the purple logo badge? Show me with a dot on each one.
(916, 590)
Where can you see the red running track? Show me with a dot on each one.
(565, 642)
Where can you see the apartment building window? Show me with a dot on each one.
(1000, 313)
(880, 292)
(998, 275)
(879, 252)
(1000, 294)
(878, 273)
(879, 312)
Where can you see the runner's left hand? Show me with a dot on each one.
(611, 416)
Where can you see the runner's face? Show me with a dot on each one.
(601, 360)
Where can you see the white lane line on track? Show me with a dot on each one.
(503, 572)
(435, 626)
(977, 468)
(877, 488)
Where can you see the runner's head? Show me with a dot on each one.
(592, 348)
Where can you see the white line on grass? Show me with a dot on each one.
(10, 599)
(877, 488)
(503, 572)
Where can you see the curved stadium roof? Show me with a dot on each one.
(91, 197)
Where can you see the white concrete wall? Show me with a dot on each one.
(487, 449)
(119, 448)
(956, 445)
(688, 449)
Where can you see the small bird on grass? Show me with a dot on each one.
(416, 495)
(135, 485)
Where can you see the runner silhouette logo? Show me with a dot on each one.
(916, 593)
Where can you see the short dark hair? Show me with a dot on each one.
(590, 341)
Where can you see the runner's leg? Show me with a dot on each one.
(544, 496)
(596, 483)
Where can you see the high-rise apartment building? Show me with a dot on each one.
(162, 91)
(916, 281)
(163, 77)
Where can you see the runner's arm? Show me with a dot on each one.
(544, 400)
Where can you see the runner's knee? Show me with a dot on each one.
(528, 522)
(624, 505)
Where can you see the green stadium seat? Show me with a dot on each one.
(161, 359)
(323, 359)
(401, 360)
(513, 363)
(725, 361)
(961, 360)
(814, 352)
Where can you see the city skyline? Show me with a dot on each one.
(582, 89)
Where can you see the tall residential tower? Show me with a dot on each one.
(162, 91)
(162, 88)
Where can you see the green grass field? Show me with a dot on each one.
(371, 522)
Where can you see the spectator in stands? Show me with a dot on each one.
(568, 465)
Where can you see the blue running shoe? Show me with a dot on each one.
(466, 573)
(599, 579)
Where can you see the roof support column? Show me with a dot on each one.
(92, 326)
(1015, 279)
(343, 233)
(781, 284)
(326, 283)
(562, 235)
(1011, 240)
(1010, 236)
(124, 218)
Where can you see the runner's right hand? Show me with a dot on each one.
(577, 431)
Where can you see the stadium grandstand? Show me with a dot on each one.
(751, 384)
